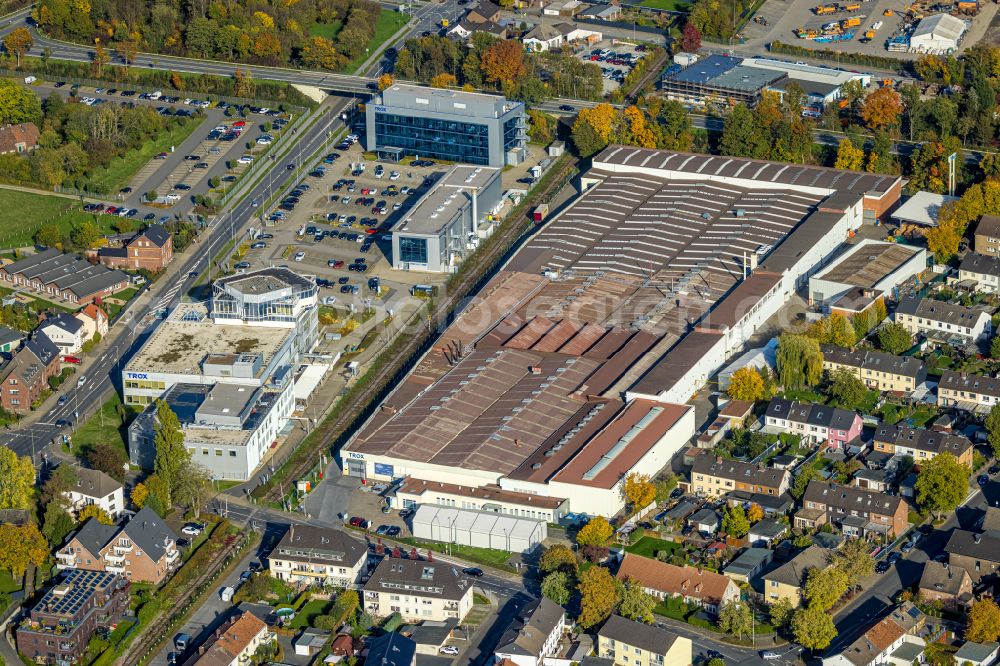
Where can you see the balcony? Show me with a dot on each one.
(67, 561)
(173, 556)
(114, 560)
(115, 569)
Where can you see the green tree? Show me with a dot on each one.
(801, 482)
(171, 455)
(781, 613)
(635, 603)
(995, 347)
(742, 135)
(849, 391)
(983, 625)
(942, 484)
(854, 560)
(716, 661)
(595, 533)
(813, 628)
(665, 486)
(799, 360)
(736, 619)
(558, 557)
(157, 494)
(824, 587)
(556, 587)
(735, 523)
(57, 523)
(194, 487)
(18, 104)
(598, 596)
(894, 338)
(17, 480)
(993, 428)
(85, 234)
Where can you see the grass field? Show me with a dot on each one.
(104, 426)
(118, 174)
(7, 583)
(327, 30)
(669, 5)
(309, 612)
(648, 546)
(389, 22)
(23, 213)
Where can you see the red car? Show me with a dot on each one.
(240, 123)
(359, 522)
(72, 359)
(111, 210)
(371, 231)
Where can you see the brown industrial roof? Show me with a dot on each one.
(748, 293)
(492, 493)
(677, 362)
(866, 265)
(605, 459)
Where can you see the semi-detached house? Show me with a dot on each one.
(921, 444)
(814, 423)
(980, 272)
(694, 585)
(974, 393)
(717, 476)
(855, 511)
(878, 370)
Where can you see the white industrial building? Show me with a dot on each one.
(821, 85)
(478, 528)
(761, 358)
(940, 33)
(871, 266)
(922, 208)
(252, 333)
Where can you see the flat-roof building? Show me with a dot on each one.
(874, 267)
(453, 125)
(922, 209)
(448, 221)
(228, 428)
(718, 79)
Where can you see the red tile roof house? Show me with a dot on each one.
(22, 138)
(694, 585)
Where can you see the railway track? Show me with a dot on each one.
(334, 431)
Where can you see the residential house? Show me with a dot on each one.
(94, 319)
(10, 340)
(318, 555)
(95, 487)
(974, 393)
(64, 276)
(814, 423)
(551, 37)
(27, 375)
(952, 586)
(638, 644)
(716, 476)
(765, 533)
(941, 321)
(738, 412)
(150, 249)
(18, 139)
(855, 511)
(977, 654)
(466, 28)
(533, 635)
(878, 370)
(978, 554)
(980, 272)
(988, 236)
(60, 626)
(893, 639)
(65, 330)
(694, 585)
(484, 11)
(417, 590)
(787, 581)
(774, 506)
(919, 444)
(144, 549)
(748, 564)
(392, 649)
(234, 643)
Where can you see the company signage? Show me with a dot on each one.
(137, 375)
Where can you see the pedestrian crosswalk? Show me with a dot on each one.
(168, 296)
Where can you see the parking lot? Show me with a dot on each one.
(616, 59)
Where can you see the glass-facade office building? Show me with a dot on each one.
(473, 128)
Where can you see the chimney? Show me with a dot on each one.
(536, 370)
(517, 443)
(718, 459)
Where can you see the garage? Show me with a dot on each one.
(483, 529)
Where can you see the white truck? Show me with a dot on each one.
(227, 593)
(156, 94)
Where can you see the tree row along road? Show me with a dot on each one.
(352, 411)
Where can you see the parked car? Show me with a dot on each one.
(475, 572)
(449, 650)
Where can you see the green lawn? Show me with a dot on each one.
(309, 612)
(118, 174)
(669, 5)
(648, 546)
(327, 30)
(24, 213)
(7, 583)
(38, 303)
(389, 22)
(105, 426)
(488, 556)
(126, 295)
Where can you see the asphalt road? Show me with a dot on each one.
(104, 375)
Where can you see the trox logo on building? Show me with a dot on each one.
(137, 375)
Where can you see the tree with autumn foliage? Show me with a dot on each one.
(755, 513)
(100, 58)
(597, 532)
(444, 80)
(384, 82)
(21, 546)
(96, 512)
(18, 42)
(746, 384)
(321, 53)
(849, 157)
(638, 490)
(929, 165)
(690, 38)
(882, 108)
(598, 596)
(503, 62)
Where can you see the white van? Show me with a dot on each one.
(29, 79)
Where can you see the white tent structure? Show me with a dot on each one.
(482, 529)
(937, 33)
